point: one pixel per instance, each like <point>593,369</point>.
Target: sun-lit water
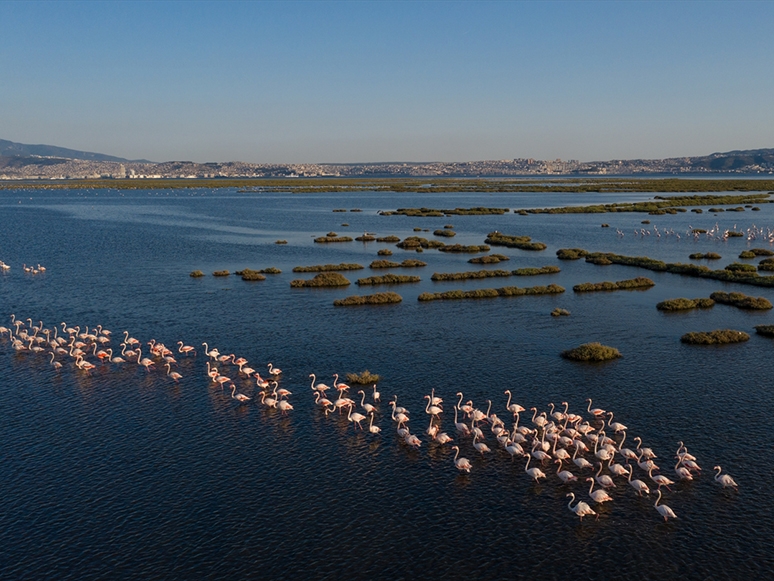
<point>124,474</point>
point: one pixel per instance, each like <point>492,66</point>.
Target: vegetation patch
<point>487,293</point>
<point>605,225</point>
<point>445,233</point>
<point>633,283</point>
<point>412,263</point>
<point>414,242</point>
<point>734,234</point>
<point>221,273</point>
<point>737,209</point>
<point>384,252</point>
<point>281,242</point>
<point>599,260</point>
<point>196,274</point>
<point>249,274</point>
<point>488,259</point>
<point>356,210</point>
<point>741,267</point>
<point>366,238</point>
<point>522,242</point>
<point>765,330</point>
<point>685,304</point>
<point>270,270</point>
<point>390,238</point>
<point>557,312</point>
<point>707,256</point>
<point>746,254</point>
<point>460,248</point>
<point>408,263</point>
<point>324,279</point>
<point>592,352</point>
<point>659,205</point>
<point>762,251</point>
<point>536,271</point>
<point>716,337</point>
<point>363,378</point>
<point>645,222</point>
<point>741,301</point>
<point>449,226</point>
<point>328,239</point>
<point>766,264</point>
<point>697,210</point>
<point>345,224</point>
<point>328,267</point>
<point>387,279</point>
<point>340,210</point>
<point>430,212</point>
<point>570,253</point>
<point>374,299</point>
<point>471,274</point>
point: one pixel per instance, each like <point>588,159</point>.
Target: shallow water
<point>124,474</point>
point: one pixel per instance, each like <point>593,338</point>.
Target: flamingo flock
<point>586,449</point>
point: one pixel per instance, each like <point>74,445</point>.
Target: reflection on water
<point>124,473</point>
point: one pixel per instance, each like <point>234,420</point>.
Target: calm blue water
<point>124,474</point>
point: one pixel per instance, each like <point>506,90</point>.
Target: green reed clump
<point>281,242</point>
<point>417,229</point>
<point>414,242</point>
<point>734,234</point>
<point>766,264</point>
<point>600,260</point>
<point>221,273</point>
<point>445,233</point>
<point>449,226</point>
<point>765,330</point>
<point>645,222</point>
<point>472,274</point>
<point>374,299</point>
<point>737,209</point>
<point>762,251</point>
<point>746,254</point>
<point>697,210</point>
<point>328,267</point>
<point>384,264</point>
<point>741,301</point>
<point>522,242</point>
<point>716,210</point>
<point>557,312</point>
<point>356,210</point>
<point>487,293</point>
<point>461,248</point>
<point>756,209</point>
<point>591,352</point>
<point>248,271</point>
<point>363,378</point>
<point>412,263</point>
<point>387,279</point>
<point>390,238</point>
<point>536,271</point>
<point>707,256</point>
<point>196,274</point>
<point>633,283</point>
<point>521,212</point>
<point>331,234</point>
<point>384,252</point>
<point>327,239</point>
<point>488,259</point>
<point>366,238</point>
<point>682,304</point>
<point>324,279</point>
<point>741,267</point>
<point>249,274</point>
<point>570,253</point>
<point>480,211</point>
<point>716,337</point>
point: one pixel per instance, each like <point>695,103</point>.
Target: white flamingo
<point>663,509</point>
<point>581,509</point>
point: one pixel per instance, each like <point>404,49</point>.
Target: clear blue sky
<point>379,81</point>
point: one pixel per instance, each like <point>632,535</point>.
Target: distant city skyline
<point>349,82</point>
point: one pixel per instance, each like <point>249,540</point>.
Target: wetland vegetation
<point>741,300</point>
<point>705,256</point>
<point>765,330</point>
<point>329,239</point>
<point>632,283</point>
<point>592,352</point>
<point>488,259</point>
<point>387,279</point>
<point>408,263</point>
<point>374,299</point>
<point>324,279</point>
<point>716,337</point>
<point>557,312</point>
<point>363,378</point>
<point>488,293</point>
<point>328,267</point>
<point>682,304</point>
<point>521,242</point>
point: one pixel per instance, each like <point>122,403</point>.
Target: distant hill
<point>12,149</point>
<point>733,160</point>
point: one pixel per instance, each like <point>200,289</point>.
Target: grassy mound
<point>716,337</point>
<point>327,239</point>
<point>430,212</point>
<point>471,274</point>
<point>570,253</point>
<point>249,274</point>
<point>445,233</point>
<point>557,312</point>
<point>363,378</point>
<point>196,274</point>
<point>741,267</point>
<point>328,267</point>
<point>281,242</point>
<point>741,301</point>
<point>390,238</point>
<point>221,273</point>
<point>366,238</point>
<point>387,279</point>
<point>384,264</point>
<point>685,304</point>
<point>765,330</point>
<point>633,283</point>
<point>340,210</point>
<point>374,299</point>
<point>324,279</point>
<point>599,260</point>
<point>384,252</point>
<point>412,263</point>
<point>707,256</point>
<point>592,352</point>
<point>462,248</point>
<point>488,259</point>
<point>762,251</point>
<point>522,242</point>
<point>536,271</point>
<point>414,242</point>
<point>746,254</point>
<point>487,293</point>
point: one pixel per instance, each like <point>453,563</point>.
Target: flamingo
<point>682,473</point>
<point>56,365</point>
<point>535,473</point>
<point>356,417</point>
<point>565,475</point>
<point>185,349</point>
<point>580,462</point>
<point>321,387</point>
<point>725,480</point>
<point>262,383</point>
<point>397,416</point>
<point>371,427</point>
<point>337,385</point>
<point>284,406</point>
<point>663,509</point>
<point>377,395</point>
<point>638,485</point>
<point>603,479</point>
<point>480,446</point>
<point>435,401</point>
<point>461,427</point>
<point>617,427</point>
<point>598,496</point>
<point>581,509</point>
<point>462,464</point>
<point>366,406</point>
<point>597,412</point>
<point>268,401</point>
<point>513,408</point>
<point>173,374</point>
<point>660,480</point>
<point>433,410</point>
<point>240,397</point>
<point>214,353</point>
<point>442,438</point>
<point>647,453</point>
<point>514,449</point>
